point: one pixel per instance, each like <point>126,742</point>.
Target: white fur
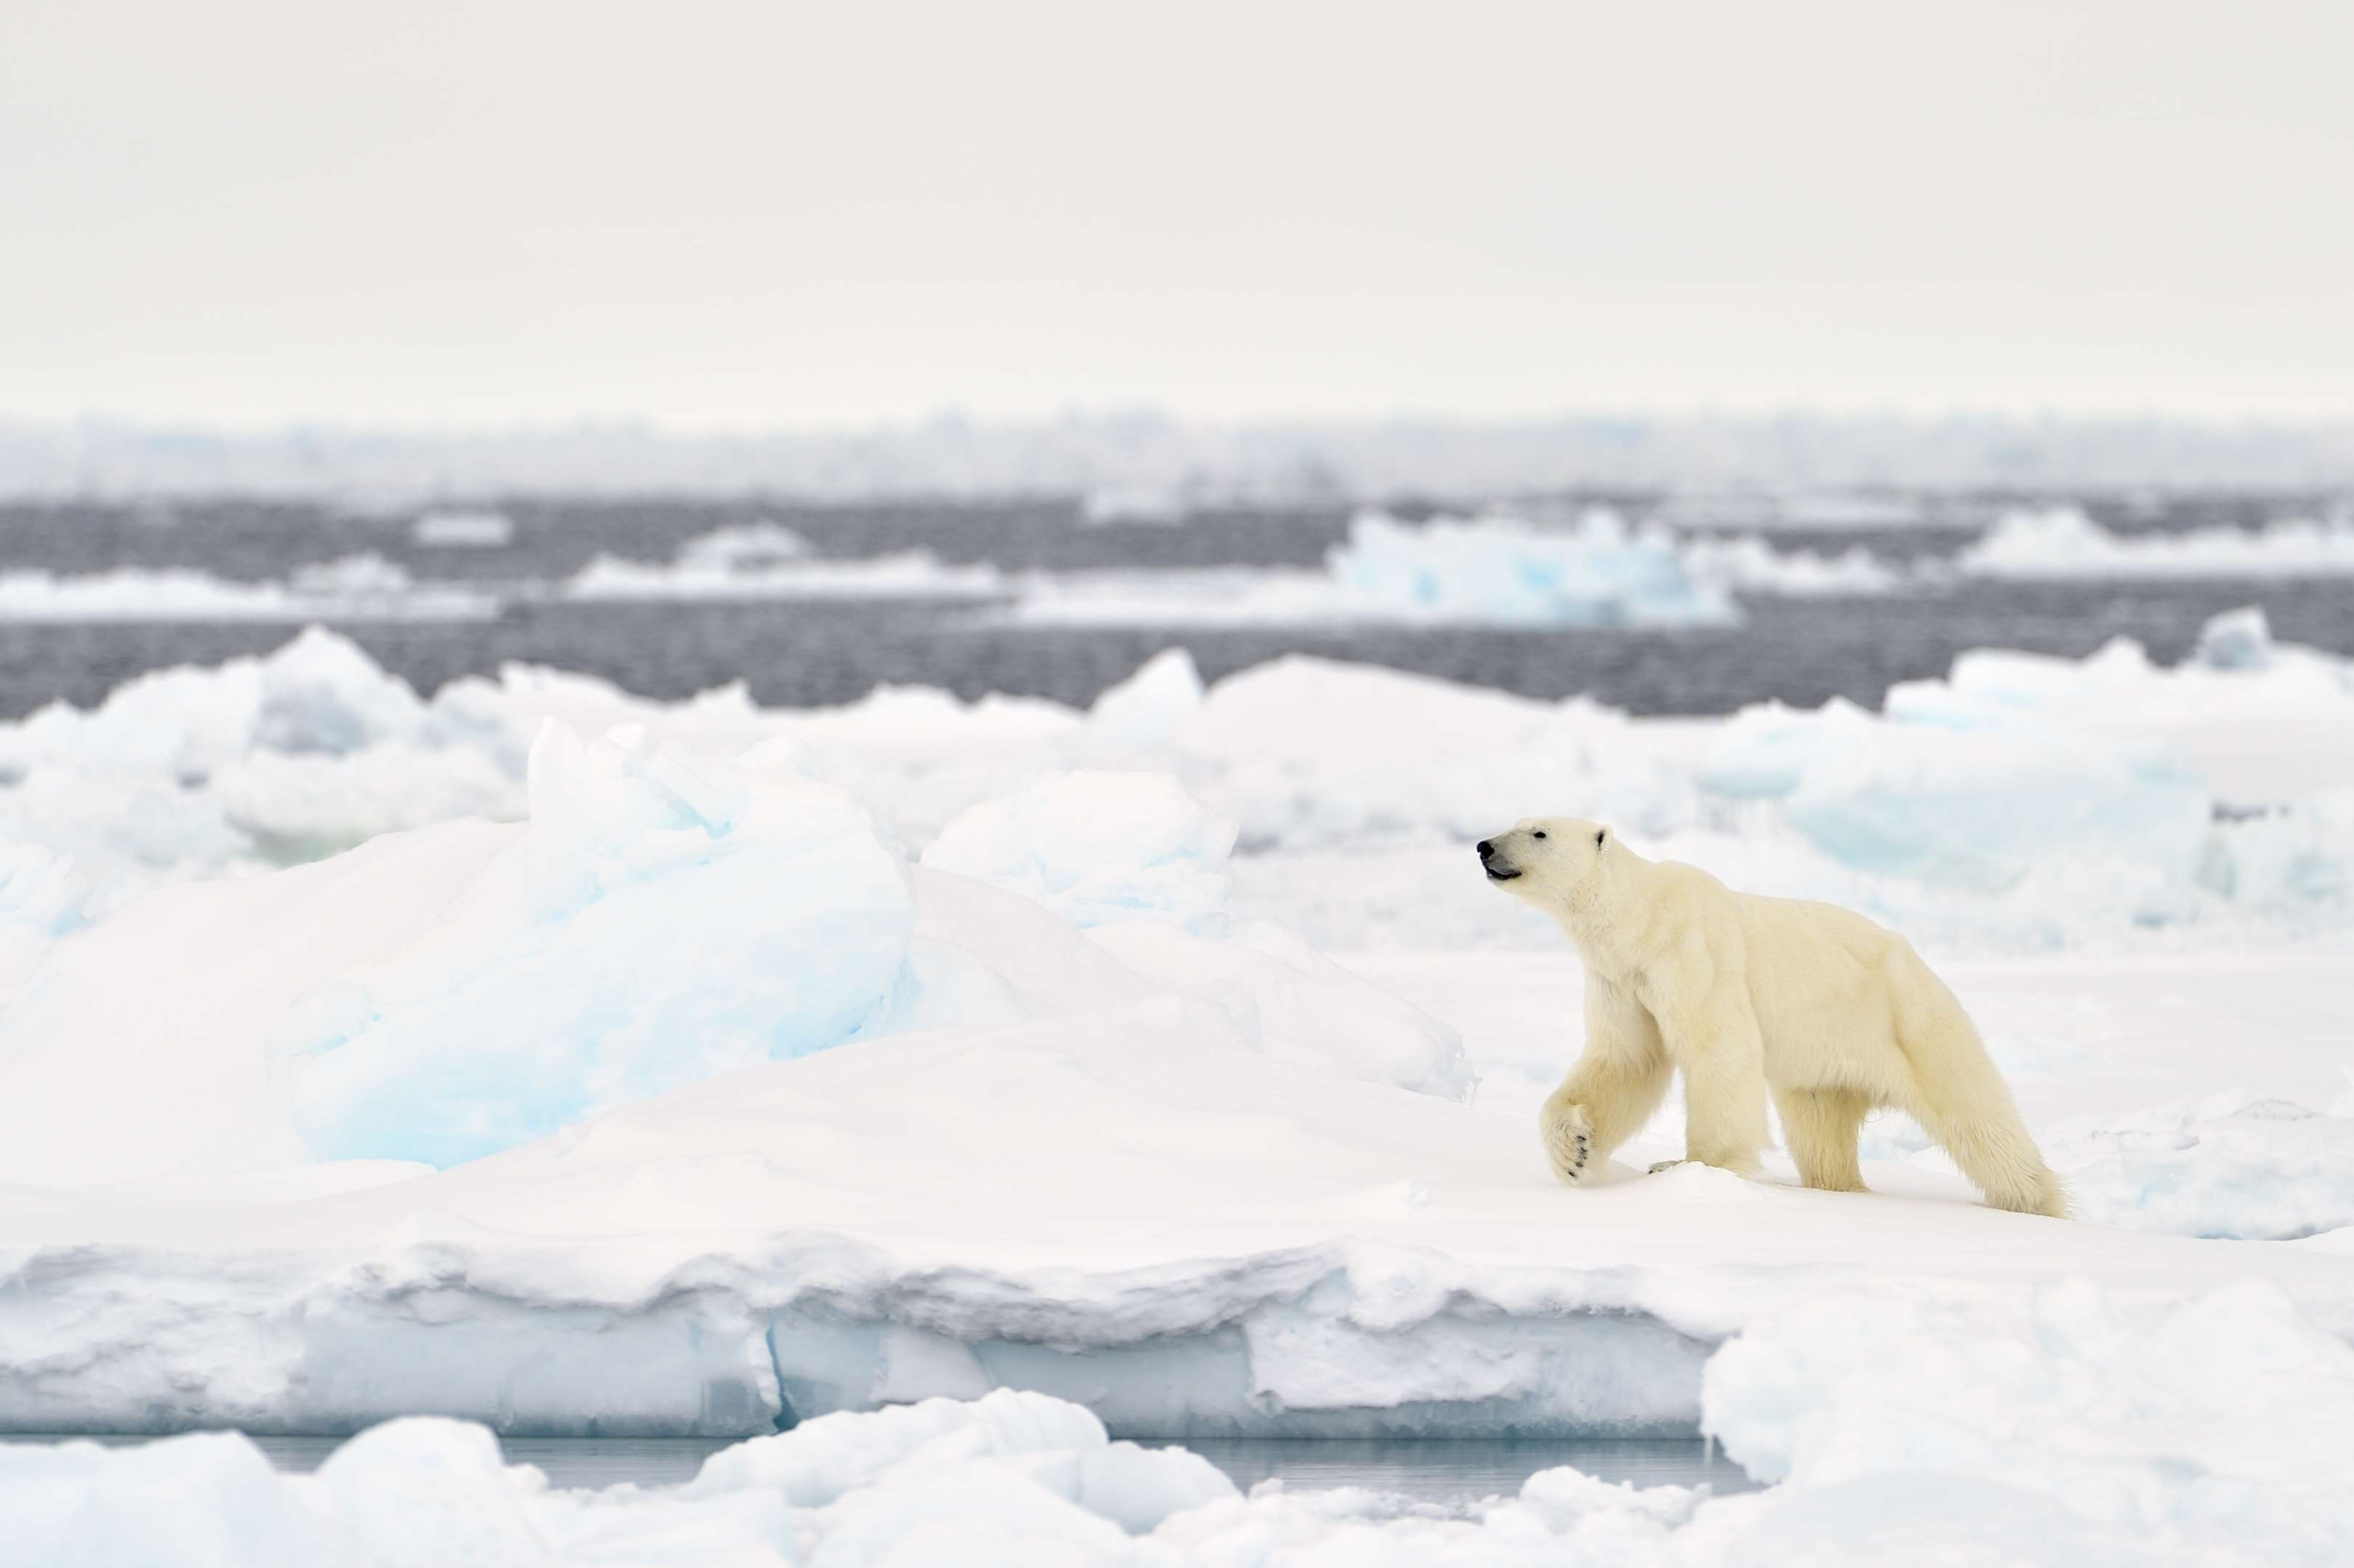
<point>1831,1014</point>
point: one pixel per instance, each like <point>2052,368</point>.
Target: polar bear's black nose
<point>1486,849</point>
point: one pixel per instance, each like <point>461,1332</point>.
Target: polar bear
<point>1831,1014</point>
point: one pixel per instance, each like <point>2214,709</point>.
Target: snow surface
<point>1200,1198</point>
<point>2063,541</point>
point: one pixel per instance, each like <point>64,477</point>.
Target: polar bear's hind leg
<point>1962,1102</point>
<point>1820,1127</point>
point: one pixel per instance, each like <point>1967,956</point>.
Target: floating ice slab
<point>358,588</point>
<point>769,561</point>
<point>2063,541</point>
<point>1500,572</point>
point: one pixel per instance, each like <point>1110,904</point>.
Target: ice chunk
<point>1095,847</point>
<point>768,560</point>
<point>423,1492</point>
<point>2236,640</point>
<point>819,1460</point>
<point>209,1499</point>
<point>462,530</point>
<point>1138,714</point>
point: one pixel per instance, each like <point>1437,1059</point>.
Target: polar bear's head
<point>1555,863</point>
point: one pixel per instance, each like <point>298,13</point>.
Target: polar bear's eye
<point>1599,837</point>
<point>1538,834</point>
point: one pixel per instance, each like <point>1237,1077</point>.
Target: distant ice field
<point>1699,608</point>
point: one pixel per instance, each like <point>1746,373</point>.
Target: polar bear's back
<point>1827,983</point>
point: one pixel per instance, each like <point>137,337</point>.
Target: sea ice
<point>1491,570</point>
<point>355,589</point>
<point>769,561</point>
<point>2022,802</point>
<point>2058,1426</point>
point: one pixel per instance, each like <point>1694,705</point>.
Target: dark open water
<point>1800,651</point>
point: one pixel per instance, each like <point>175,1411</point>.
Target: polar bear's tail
<point>1962,1102</point>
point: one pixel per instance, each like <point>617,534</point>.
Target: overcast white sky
<point>711,212</point>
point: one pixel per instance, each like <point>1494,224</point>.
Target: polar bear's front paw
<point>1568,1141</point>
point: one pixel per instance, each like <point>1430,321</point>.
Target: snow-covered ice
<point>1192,1190</point>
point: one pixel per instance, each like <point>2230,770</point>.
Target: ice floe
<point>354,588</point>
<point>769,561</point>
<point>2059,1427</point>
<point>464,530</point>
<point>2063,541</point>
<point>1488,571</point>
